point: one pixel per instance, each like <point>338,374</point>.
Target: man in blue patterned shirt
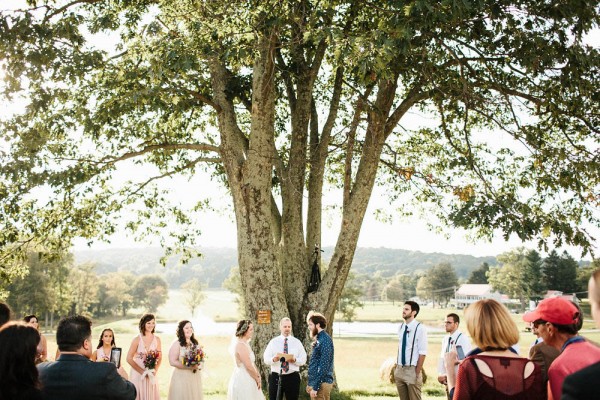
<point>320,367</point>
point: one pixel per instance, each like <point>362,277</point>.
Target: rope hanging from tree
<point>315,276</point>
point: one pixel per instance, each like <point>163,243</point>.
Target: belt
<point>289,373</point>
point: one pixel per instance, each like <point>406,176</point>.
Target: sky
<point>218,230</point>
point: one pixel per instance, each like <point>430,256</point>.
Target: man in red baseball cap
<point>558,320</point>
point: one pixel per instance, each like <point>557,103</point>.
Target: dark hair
<point>101,343</point>
<point>242,327</point>
<point>454,317</point>
<point>18,350</point>
<point>145,319</point>
<point>28,318</point>
<point>181,335</point>
<point>318,320</point>
<point>413,306</point>
<point>72,332</point>
<point>4,313</point>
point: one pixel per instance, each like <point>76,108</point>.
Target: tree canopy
<point>282,101</point>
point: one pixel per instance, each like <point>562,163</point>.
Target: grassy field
<point>357,360</point>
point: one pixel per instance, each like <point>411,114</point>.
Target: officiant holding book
<point>290,349</point>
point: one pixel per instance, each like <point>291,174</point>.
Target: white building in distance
<point>469,293</point>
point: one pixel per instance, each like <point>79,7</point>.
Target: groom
<point>320,368</point>
<point>73,376</point>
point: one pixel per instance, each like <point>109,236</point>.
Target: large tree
<point>439,283</point>
<point>281,101</point>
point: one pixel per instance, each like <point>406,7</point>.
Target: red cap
<point>556,310</point>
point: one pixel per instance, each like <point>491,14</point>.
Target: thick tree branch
<point>414,96</point>
<point>67,6</point>
<point>155,147</point>
<point>287,79</point>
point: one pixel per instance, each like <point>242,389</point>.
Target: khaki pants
<point>324,391</point>
<point>408,383</point>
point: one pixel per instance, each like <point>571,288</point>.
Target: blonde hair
<point>490,325</point>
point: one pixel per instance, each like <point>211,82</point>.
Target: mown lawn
<point>357,360</point>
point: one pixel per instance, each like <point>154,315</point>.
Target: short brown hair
<point>318,319</point>
<point>490,325</point>
<point>143,321</point>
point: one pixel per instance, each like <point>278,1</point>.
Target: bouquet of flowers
<point>150,358</point>
<point>193,356</point>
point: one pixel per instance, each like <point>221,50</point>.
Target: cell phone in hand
<point>460,352</point>
<point>115,356</point>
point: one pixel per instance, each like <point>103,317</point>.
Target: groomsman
<point>285,345</point>
<point>412,349</point>
<point>453,338</point>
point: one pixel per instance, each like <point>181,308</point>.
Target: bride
<point>245,381</point>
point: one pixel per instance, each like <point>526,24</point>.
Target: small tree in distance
<point>479,275</point>
<point>193,294</point>
<point>150,292</point>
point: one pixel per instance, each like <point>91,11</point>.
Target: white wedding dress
<point>241,385</point>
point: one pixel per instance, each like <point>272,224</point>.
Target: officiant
<point>287,347</point>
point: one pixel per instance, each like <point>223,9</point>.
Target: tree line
<point>520,273</point>
<point>52,285</point>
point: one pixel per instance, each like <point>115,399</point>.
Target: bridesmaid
<point>105,345</point>
<point>146,383</point>
<point>42,348</point>
<point>186,382</point>
<point>103,350</point>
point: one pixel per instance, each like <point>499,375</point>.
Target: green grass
<point>357,360</point>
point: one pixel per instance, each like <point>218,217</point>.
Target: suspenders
<point>412,349</point>
<point>450,340</point>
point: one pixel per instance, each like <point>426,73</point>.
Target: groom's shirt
<point>320,367</point>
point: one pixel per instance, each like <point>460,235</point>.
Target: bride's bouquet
<point>150,358</point>
<point>193,356</point>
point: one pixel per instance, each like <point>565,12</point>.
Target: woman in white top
<point>245,382</point>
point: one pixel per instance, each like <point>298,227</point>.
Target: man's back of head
<point>4,313</point>
<point>72,332</point>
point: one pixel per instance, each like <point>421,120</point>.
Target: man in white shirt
<point>454,338</point>
<point>290,376</point>
<point>412,349</point>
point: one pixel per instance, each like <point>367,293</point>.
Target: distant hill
<point>213,268</point>
<point>391,261</point>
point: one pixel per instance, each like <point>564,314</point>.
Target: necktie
<point>285,365</point>
<point>449,344</point>
<point>403,353</point>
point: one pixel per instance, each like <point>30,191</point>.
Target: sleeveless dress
<point>146,389</point>
<point>241,385</point>
<point>101,355</point>
<point>185,384</point>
